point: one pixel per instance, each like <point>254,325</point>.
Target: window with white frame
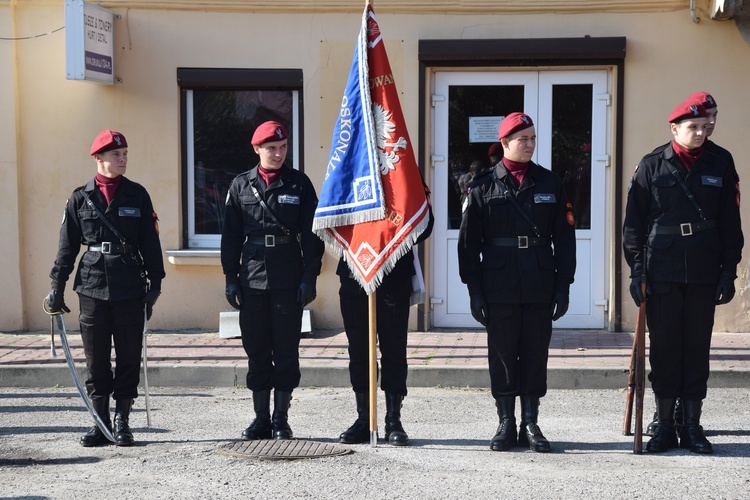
<point>221,108</point>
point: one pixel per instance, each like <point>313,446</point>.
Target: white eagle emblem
<point>387,150</point>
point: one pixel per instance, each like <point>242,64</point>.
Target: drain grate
<point>281,449</point>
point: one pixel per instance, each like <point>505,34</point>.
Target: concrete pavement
<point>590,359</point>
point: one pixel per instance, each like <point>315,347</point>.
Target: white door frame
<point>449,297</point>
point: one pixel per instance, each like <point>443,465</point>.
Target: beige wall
<point>45,138</point>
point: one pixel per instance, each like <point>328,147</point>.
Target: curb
<point>211,375</point>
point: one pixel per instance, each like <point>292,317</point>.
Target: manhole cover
<point>281,449</point>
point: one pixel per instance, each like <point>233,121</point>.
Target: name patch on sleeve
<point>545,198</point>
<point>289,199</point>
<point>129,212</point>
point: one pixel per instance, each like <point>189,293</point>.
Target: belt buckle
<point>270,240</point>
<point>106,247</point>
<point>523,242</point>
<point>686,229</point>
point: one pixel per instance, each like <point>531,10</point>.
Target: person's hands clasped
<point>560,303</point>
<point>56,302</point>
<point>306,294</point>
<point>636,289</point>
<point>724,289</point>
<point>479,308</point>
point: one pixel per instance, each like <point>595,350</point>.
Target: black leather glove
<point>150,299</point>
<point>56,302</point>
<point>725,289</point>
<point>479,309</point>
<point>636,289</point>
<point>234,295</point>
<point>560,303</point>
<point>305,294</point>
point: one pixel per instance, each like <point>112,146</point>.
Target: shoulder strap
<point>268,211</point>
<point>684,187</point>
<point>106,222</point>
<point>512,197</point>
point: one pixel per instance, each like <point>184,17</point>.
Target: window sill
<point>194,257</point>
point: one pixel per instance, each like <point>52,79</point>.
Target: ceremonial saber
<point>145,366</point>
<point>71,366</point>
<point>52,350</point>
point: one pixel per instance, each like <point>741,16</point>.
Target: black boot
<point>260,428</point>
<point>121,430</point>
<point>665,437</point>
<point>530,434</point>
<point>692,436</point>
<point>359,432</point>
<point>279,422</point>
<point>394,431</point>
<point>651,427</point>
<point>95,437</point>
<point>505,437</point>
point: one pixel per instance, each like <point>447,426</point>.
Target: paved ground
<point>199,404</point>
<point>593,359</point>
<point>449,456</point>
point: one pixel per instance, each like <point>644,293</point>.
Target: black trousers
<point>680,321</point>
<point>103,322</point>
<point>271,325</point>
<point>392,304</point>
<point>518,337</point>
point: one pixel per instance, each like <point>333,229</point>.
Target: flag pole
<point>372,309</point>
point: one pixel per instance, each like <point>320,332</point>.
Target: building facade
<point>193,78</point>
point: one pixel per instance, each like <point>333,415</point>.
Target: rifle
<point>636,380</point>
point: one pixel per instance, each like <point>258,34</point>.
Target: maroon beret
<point>267,132</point>
<point>496,149</point>
<point>686,110</point>
<point>703,98</point>
<point>513,123</point>
<point>108,140</point>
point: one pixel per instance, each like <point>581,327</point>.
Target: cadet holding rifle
<point>682,227</point>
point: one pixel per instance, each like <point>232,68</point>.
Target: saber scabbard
<point>145,367</point>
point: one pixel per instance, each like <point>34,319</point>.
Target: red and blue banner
<point>373,203</point>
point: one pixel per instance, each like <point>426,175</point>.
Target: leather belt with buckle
<point>686,228</point>
<point>518,242</point>
<point>271,240</point>
<point>110,248</point>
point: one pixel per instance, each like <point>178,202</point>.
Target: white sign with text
<point>89,42</point>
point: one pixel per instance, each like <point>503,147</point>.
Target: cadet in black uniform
<point>707,101</point>
<point>518,283</point>
<point>117,275</point>
<point>682,236</point>
<point>393,302</point>
<point>271,259</point>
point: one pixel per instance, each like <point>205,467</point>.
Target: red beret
<point>108,140</point>
<point>267,132</point>
<point>495,150</point>
<point>686,110</point>
<point>703,98</point>
<point>513,123</point>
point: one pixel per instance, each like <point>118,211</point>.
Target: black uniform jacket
<point>508,274</point>
<point>116,276</point>
<point>657,201</point>
<point>292,200</point>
